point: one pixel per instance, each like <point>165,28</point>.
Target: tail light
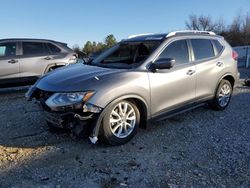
<point>76,55</point>
<point>73,59</point>
<point>235,55</point>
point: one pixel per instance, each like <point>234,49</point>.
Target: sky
<point>77,21</point>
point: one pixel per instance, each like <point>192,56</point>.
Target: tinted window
<point>7,49</point>
<point>53,48</point>
<point>34,48</point>
<point>218,46</point>
<point>177,50</point>
<point>202,48</point>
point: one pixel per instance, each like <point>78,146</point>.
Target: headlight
<point>68,99</point>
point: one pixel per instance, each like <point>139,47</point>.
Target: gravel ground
<point>200,148</point>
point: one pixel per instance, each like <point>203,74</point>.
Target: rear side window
<point>7,49</point>
<point>53,49</point>
<point>218,46</point>
<point>35,48</point>
<point>202,48</point>
<point>177,50</point>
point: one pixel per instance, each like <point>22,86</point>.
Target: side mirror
<point>162,63</point>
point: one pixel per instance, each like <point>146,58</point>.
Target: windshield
<point>126,54</point>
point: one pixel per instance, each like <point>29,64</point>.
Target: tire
<point>120,122</point>
<point>223,96</point>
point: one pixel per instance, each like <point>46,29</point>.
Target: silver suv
<point>145,77</point>
<point>24,60</point>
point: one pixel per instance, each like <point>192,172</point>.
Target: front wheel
<point>223,96</point>
<point>120,122</point>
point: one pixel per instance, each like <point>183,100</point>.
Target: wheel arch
<point>56,65</point>
<point>214,102</point>
<point>141,103</point>
<point>229,77</point>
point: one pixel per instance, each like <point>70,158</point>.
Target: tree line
<point>91,48</point>
<point>237,33</point>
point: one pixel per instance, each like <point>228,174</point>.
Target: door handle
<point>48,58</point>
<point>190,72</point>
<point>12,61</point>
<point>219,64</point>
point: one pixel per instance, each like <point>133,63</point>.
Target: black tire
<point>108,136</point>
<point>215,104</point>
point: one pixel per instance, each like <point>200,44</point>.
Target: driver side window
<point>177,50</point>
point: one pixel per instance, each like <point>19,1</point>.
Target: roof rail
<point>139,35</point>
<point>190,31</point>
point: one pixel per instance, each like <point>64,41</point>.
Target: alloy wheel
<point>224,95</point>
<point>122,120</point>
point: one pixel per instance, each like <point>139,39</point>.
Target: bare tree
<point>234,33</point>
<point>235,27</point>
<point>220,26</point>
<point>192,23</point>
<point>76,48</point>
<point>237,33</point>
<point>203,23</point>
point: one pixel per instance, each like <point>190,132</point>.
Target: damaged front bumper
<point>67,120</point>
<point>79,119</point>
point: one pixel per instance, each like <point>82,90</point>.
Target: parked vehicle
<point>28,59</point>
<point>145,77</point>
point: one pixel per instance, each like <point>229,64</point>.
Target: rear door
<point>34,59</point>
<point>9,64</point>
<point>208,67</point>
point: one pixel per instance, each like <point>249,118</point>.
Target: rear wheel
<point>223,96</point>
<point>120,122</point>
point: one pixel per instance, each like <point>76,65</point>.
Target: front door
<point>175,87</point>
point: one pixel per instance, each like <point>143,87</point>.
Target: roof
<point>152,36</point>
<point>30,39</point>
<point>149,37</point>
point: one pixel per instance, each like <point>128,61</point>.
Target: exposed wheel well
<point>143,111</point>
<point>230,79</point>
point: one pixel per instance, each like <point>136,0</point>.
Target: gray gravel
<point>200,148</point>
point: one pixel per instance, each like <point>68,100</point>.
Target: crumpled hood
<point>76,77</point>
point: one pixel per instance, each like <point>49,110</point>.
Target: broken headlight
<point>75,99</point>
